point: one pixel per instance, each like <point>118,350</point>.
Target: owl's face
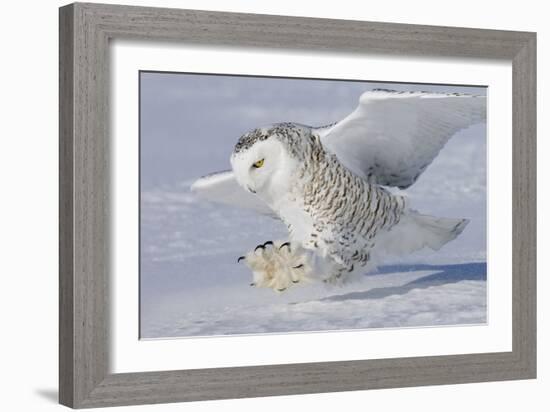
<point>265,169</point>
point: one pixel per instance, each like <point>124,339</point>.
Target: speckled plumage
<point>346,211</point>
<point>327,185</point>
<point>290,134</point>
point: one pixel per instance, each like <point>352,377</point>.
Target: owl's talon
<point>241,258</point>
<point>287,244</point>
<point>277,268</point>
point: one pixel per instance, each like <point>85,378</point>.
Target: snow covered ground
<point>190,282</point>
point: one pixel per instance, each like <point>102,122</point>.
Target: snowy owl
<point>331,185</point>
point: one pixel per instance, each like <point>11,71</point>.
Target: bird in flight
<point>330,185</point>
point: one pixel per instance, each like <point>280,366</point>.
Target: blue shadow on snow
<point>446,274</point>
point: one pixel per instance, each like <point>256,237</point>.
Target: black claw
<point>269,242</point>
<point>252,284</point>
<point>240,258</point>
<point>295,281</point>
<point>285,244</point>
<point>301,265</point>
<point>350,269</point>
<point>259,247</point>
<point>281,290</point>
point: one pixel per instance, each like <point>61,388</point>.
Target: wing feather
<point>222,187</point>
<point>392,137</point>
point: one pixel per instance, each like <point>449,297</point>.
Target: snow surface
<point>190,282</point>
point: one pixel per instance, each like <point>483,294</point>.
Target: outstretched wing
<point>392,137</point>
<point>222,187</point>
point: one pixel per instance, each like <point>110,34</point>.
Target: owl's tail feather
<point>415,231</point>
<point>437,231</point>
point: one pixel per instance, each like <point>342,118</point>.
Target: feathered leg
<point>278,265</point>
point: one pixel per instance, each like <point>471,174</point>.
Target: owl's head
<point>265,160</point>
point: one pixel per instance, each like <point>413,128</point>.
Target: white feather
<point>391,137</point>
<point>416,231</point>
<point>222,187</point>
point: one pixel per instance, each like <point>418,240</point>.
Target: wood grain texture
<point>66,228</point>
<point>524,205</point>
<point>85,31</point>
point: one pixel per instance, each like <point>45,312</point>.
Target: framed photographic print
<point>257,205</point>
<point>194,281</point>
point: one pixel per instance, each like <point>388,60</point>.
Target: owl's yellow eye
<point>258,164</point>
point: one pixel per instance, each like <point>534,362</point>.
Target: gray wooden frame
<point>85,31</point>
